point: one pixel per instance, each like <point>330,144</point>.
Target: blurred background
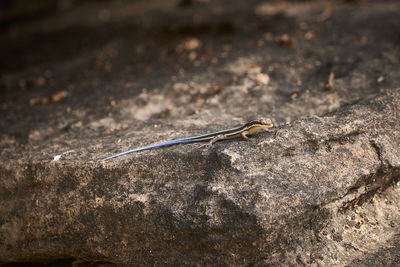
<point>70,67</point>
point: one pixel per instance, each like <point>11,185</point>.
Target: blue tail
<point>167,143</point>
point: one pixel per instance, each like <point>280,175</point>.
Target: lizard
<point>243,131</point>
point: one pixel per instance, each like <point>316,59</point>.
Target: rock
<point>272,201</point>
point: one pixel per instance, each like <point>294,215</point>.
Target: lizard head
<point>256,125</point>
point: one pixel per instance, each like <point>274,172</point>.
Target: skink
<point>240,132</point>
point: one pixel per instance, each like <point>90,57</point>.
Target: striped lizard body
<point>243,131</point>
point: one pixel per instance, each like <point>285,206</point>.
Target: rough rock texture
<point>320,188</point>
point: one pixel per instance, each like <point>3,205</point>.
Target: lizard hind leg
<point>213,141</point>
<point>216,139</point>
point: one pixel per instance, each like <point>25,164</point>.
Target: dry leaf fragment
<point>262,78</point>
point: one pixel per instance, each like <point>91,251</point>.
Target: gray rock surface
<point>320,188</point>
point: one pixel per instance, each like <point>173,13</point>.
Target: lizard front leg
<point>244,136</point>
